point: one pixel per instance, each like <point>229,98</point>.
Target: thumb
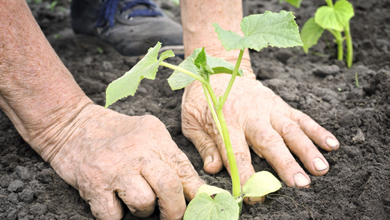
<point>208,150</point>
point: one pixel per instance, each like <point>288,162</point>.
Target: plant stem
<point>234,74</point>
<point>349,46</point>
<point>193,75</point>
<point>236,185</point>
<point>356,80</point>
<point>216,110</point>
<point>329,3</point>
<point>212,109</point>
<point>339,41</point>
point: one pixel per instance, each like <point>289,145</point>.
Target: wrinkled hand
<point>106,155</point>
<point>258,118</point>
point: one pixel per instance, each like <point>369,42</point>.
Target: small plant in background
<point>260,31</point>
<point>334,18</point>
<point>295,3</point>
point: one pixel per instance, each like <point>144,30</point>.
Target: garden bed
<point>357,185</point>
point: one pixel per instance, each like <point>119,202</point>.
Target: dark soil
<point>357,185</point>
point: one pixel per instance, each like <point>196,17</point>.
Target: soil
<point>357,185</point>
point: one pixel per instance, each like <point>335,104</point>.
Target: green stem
<point>330,3</point>
<point>349,46</point>
<point>234,74</point>
<point>212,109</point>
<point>236,185</point>
<point>339,41</point>
<point>174,67</point>
<point>216,110</point>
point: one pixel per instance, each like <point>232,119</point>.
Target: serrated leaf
<point>210,190</point>
<point>179,80</point>
<point>203,207</point>
<point>201,64</point>
<point>261,184</point>
<point>336,17</point>
<point>128,83</point>
<point>262,30</point>
<point>310,34</point>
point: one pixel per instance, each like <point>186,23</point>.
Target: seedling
<point>260,31</point>
<point>334,18</point>
<point>295,3</point>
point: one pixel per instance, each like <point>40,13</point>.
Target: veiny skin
<point>134,157</point>
<point>103,153</point>
<point>98,151</point>
<point>255,116</point>
<point>258,118</point>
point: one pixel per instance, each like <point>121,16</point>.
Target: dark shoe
<point>130,26</point>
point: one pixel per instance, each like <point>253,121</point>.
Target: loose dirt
<point>357,185</point>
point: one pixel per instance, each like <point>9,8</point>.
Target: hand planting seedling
<point>263,30</point>
<point>334,18</point>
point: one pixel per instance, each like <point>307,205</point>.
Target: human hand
<point>106,155</point>
<point>258,118</point>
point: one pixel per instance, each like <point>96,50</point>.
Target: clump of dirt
<point>357,185</point>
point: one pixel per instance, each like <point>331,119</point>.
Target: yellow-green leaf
<point>334,17</point>
<point>261,184</point>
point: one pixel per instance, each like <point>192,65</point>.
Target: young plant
<point>263,30</point>
<point>334,18</point>
<point>295,3</point>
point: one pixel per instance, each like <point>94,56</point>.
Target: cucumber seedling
<point>334,18</point>
<point>295,3</point>
<point>260,31</point>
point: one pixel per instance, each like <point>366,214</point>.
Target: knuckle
<point>242,157</point>
<point>185,169</point>
<point>152,120</point>
<point>269,140</point>
<point>204,146</point>
<point>287,163</point>
<point>289,129</point>
<point>170,185</point>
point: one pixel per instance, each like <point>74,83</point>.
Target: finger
<point>178,161</point>
<point>167,186</point>
<point>136,193</point>
<point>204,144</point>
<point>103,204</point>
<point>300,144</point>
<point>267,143</point>
<point>242,156</point>
<point>241,153</point>
<point>314,131</point>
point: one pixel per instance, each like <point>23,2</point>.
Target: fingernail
<point>319,164</point>
<point>300,180</point>
<point>256,199</point>
<point>208,160</point>
<point>331,142</point>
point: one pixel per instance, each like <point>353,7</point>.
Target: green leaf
<point>295,3</point>
<point>310,34</point>
<point>210,190</point>
<point>203,207</point>
<point>336,17</point>
<point>128,83</point>
<point>261,184</point>
<point>179,80</point>
<point>201,64</point>
<point>166,54</point>
<point>262,30</point>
